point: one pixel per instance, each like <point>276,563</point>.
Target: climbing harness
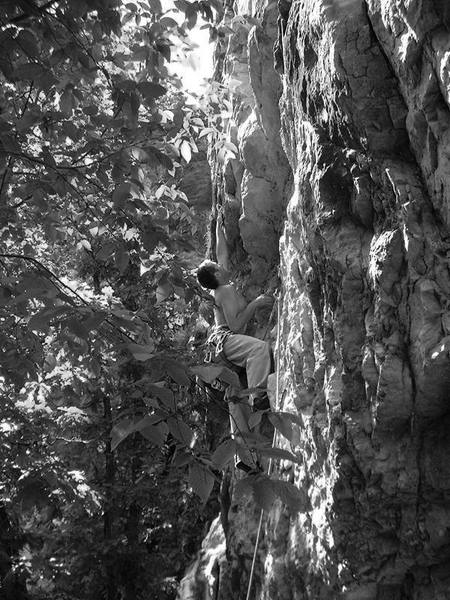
<point>214,345</point>
<point>269,468</point>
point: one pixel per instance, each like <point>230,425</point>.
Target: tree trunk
<point>108,512</point>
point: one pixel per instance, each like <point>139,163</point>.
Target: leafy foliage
<point>103,428</point>
<point>101,432</point>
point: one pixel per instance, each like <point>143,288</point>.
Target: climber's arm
<point>221,243</point>
<point>236,317</point>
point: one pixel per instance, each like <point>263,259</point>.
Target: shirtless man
<point>232,314</point>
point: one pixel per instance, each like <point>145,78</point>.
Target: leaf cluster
<point>96,295</point>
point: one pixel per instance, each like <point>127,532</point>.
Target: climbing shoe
<point>261,402</point>
<point>242,466</point>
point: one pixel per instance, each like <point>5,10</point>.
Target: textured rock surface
<point>364,257</point>
<point>253,187</point>
<point>202,579</point>
<point>365,271</point>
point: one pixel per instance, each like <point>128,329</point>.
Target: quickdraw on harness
<point>214,352</point>
<point>215,342</point>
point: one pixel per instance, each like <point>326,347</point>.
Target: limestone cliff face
<point>253,188</point>
<point>365,114</point>
<point>358,217</point>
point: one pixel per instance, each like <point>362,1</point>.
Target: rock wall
<point>253,187</point>
<point>365,113</point>
<point>360,215</point>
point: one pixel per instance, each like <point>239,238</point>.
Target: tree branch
<point>83,47</point>
<point>28,99</point>
<point>10,159</point>
<point>37,12</point>
<point>50,275</point>
<point>5,174</point>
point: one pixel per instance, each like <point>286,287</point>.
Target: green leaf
<point>255,418</point>
<point>207,12</point>
<point>155,433</point>
<point>29,120</point>
<point>296,499</point>
<point>283,423</point>
<point>163,47</point>
<point>121,193</point>
<point>153,419</point>
<point>10,144</point>
<point>90,110</point>
<point>230,377</point>
<point>67,102</point>
<point>206,131</point>
<point>185,151</point>
<point>208,373</point>
<point>230,146</point>
<point>97,31</point>
<point>151,238</point>
<point>106,252</point>
<point>243,487</point>
<point>224,454</point>
<point>29,71</point>
<point>84,244</point>
<point>151,91</point>
<point>163,291</point>
<point>49,363</point>
<point>162,393</point>
<point>94,321</point>
<point>266,490</point>
<point>27,42</point>
<point>201,481</point>
<point>181,460</point>
<point>180,431</point>
<point>34,286</point>
<point>191,16</point>
<point>121,259</point>
<point>263,492</point>
<point>281,454</point>
<point>151,427</point>
<point>42,319</point>
<point>156,155</point>
<point>77,327</point>
<point>288,416</point>
<point>142,352</point>
<point>134,104</point>
<point>70,130</point>
<point>32,492</point>
<point>121,431</point>
<point>177,372</point>
<point>168,22</point>
<point>155,6</point>
<point>5,296</point>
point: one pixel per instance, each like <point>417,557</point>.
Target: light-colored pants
<point>254,355</point>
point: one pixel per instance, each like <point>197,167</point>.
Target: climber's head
<point>206,275</point>
<point>210,275</point>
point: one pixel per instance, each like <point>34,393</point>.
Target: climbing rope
<point>272,312</point>
<point>269,468</point>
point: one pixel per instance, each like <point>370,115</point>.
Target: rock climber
<point>231,315</point>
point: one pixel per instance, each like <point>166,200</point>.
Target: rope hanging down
<point>269,468</point>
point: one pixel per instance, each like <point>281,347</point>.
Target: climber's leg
<point>239,415</point>
<point>254,355</point>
